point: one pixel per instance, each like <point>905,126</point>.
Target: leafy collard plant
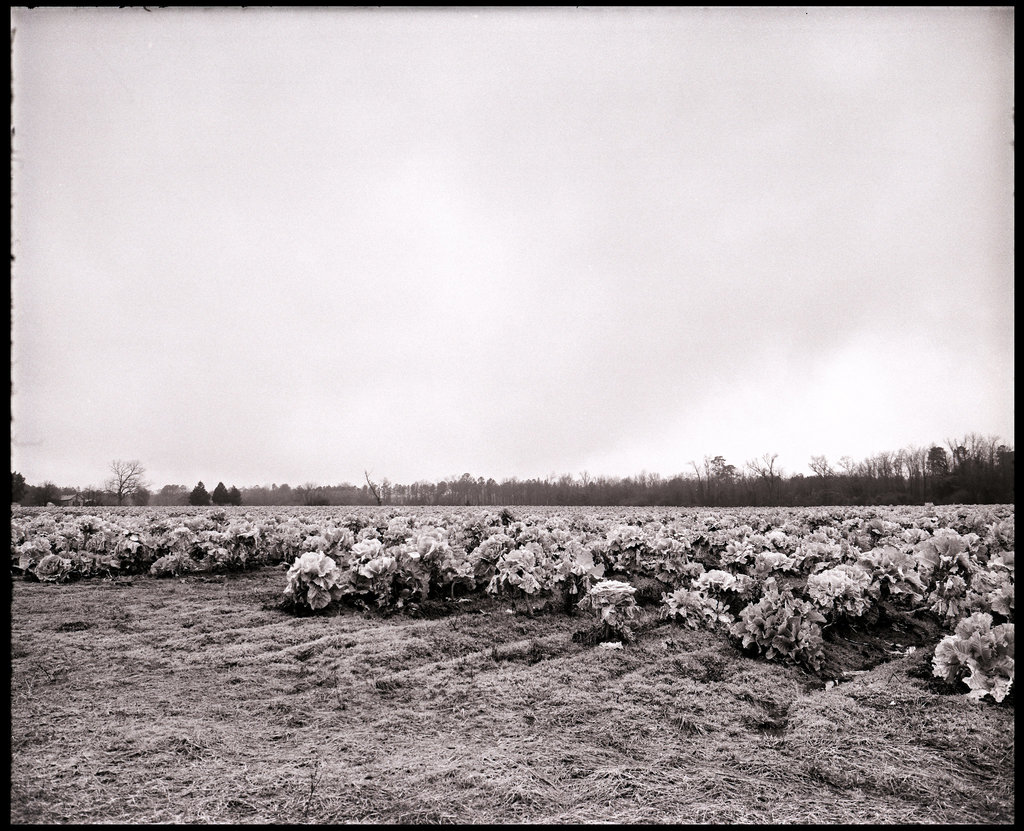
<point>370,578</point>
<point>992,591</point>
<point>694,608</point>
<point>172,565</point>
<point>980,655</point>
<point>841,592</point>
<point>524,572</point>
<point>724,592</point>
<point>782,627</point>
<point>894,573</point>
<point>31,552</point>
<point>575,572</point>
<point>55,569</point>
<point>624,548</point>
<point>314,580</point>
<point>615,605</point>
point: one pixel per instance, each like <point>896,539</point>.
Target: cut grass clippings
<point>201,701</point>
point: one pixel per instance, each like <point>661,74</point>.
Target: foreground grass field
<point>198,699</point>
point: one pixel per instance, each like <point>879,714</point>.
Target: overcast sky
<point>264,246</point>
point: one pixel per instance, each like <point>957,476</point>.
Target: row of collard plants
<point>774,579</point>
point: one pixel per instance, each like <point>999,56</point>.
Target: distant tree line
<point>126,492</point>
<point>181,495</point>
<point>974,469</point>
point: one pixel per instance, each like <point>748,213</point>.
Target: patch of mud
<point>598,634</point>
<point>74,626</point>
<point>882,635</point>
<point>433,609</point>
<point>529,653</point>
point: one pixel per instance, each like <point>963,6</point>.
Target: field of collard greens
<point>785,648</point>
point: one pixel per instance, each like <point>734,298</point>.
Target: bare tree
<point>820,465</point>
<point>848,465</point>
<point>373,487</point>
<point>127,479</point>
<point>765,468</point>
<point>915,459</point>
<point>700,482</point>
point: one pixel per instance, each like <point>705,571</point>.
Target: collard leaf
<point>982,684</point>
<point>318,597</point>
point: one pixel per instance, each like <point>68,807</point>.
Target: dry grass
<point>195,701</point>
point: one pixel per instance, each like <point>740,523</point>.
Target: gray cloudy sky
<point>290,245</point>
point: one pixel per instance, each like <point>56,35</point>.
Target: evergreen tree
<point>234,496</point>
<point>220,495</point>
<point>18,486</point>
<point>199,496</point>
